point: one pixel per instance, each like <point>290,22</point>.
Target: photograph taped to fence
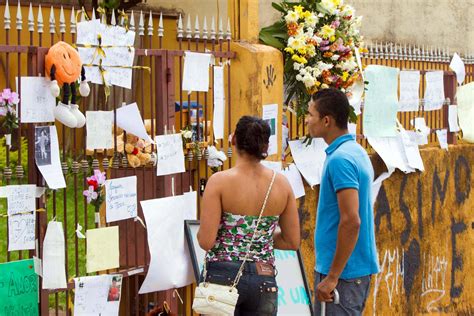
<point>294,296</point>
<point>43,146</point>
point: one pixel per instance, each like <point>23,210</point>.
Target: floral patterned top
<point>235,233</point>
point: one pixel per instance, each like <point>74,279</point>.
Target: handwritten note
<point>37,102</point>
<point>97,295</point>
<point>99,129</point>
<point>434,93</point>
<point>196,71</point>
<point>121,198</point>
<point>21,198</point>
<point>54,267</point>
<point>87,32</point>
<point>409,91</point>
<point>102,249</point>
<point>465,98</point>
<point>219,102</point>
<point>380,111</point>
<point>18,288</point>
<point>309,159</point>
<point>170,154</point>
<point>442,136</point>
<point>21,231</point>
<point>52,173</point>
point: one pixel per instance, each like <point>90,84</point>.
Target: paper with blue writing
<point>120,198</point>
<point>18,288</point>
<point>170,154</point>
<point>381,101</point>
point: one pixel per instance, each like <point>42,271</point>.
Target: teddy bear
<point>64,67</point>
<point>138,151</point>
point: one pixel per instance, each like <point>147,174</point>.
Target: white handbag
<point>215,299</point>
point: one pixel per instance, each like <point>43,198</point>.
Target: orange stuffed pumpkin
<point>64,67</point>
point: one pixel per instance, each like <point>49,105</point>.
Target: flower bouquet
<point>8,103</point>
<point>319,40</point>
<point>95,194</point>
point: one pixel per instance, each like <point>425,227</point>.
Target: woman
<point>231,206</point>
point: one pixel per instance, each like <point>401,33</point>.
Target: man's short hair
<point>333,102</point>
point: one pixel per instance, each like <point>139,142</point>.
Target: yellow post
<point>257,71</point>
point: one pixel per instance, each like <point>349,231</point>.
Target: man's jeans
<point>352,296</point>
<point>257,293</point>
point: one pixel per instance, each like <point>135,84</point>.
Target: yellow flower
<point>345,75</point>
<point>336,2</point>
<point>317,84</point>
<point>298,59</point>
<point>291,17</point>
<point>327,31</point>
<point>306,14</point>
<point>289,50</point>
<point>298,9</point>
<point>302,50</point>
<point>332,38</point>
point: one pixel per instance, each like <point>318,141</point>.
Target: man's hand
<point>325,290</point>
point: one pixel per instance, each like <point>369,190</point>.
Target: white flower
<point>323,66</point>
<point>216,157</point>
<point>309,81</point>
<point>329,5</point>
<point>348,11</point>
<point>297,66</point>
<point>324,86</point>
<point>299,77</point>
<point>187,134</point>
<point>335,57</point>
<point>311,20</point>
<point>291,17</point>
<point>296,42</point>
<point>348,65</point>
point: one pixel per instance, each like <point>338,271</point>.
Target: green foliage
<point>14,154</point>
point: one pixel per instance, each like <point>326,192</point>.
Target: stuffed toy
<point>64,68</point>
<point>138,151</point>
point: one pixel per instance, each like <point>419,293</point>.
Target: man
<point>346,254</point>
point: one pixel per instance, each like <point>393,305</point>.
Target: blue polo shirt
<point>347,165</point>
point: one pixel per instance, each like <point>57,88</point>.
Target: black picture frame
<point>190,225</point>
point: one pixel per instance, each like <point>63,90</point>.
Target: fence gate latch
<point>202,186</point>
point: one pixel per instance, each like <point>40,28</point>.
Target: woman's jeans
<point>258,294</point>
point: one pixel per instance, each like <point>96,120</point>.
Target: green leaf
<point>278,7</point>
<point>269,40</point>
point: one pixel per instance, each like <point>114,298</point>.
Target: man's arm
<point>347,235</point>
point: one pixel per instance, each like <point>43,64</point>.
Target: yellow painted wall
<point>425,237</point>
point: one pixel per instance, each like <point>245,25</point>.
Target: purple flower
<point>3,111</point>
<point>335,24</point>
<point>90,194</point>
<point>99,176</point>
<point>6,94</point>
<point>324,48</point>
<point>13,98</point>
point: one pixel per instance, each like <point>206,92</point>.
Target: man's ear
<point>327,120</point>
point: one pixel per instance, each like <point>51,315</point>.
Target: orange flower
<point>292,28</point>
<point>328,54</point>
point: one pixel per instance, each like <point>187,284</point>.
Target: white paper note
<point>21,198</point>
<point>270,115</point>
<point>409,91</point>
<point>380,109</point>
<point>309,159</point>
<point>377,184</point>
<point>97,295</point>
<point>53,173</point>
<point>392,152</point>
<point>54,258</point>
<point>196,71</point>
<point>170,154</point>
<point>442,135</point>
<point>457,65</point>
<point>129,119</point>
<point>190,211</point>
<point>219,103</point>
<point>465,98</point>
<point>453,118</point>
<point>37,102</point>
<point>421,129</point>
<point>121,198</point>
<point>434,93</point>
<point>296,182</point>
<point>87,32</point>
<point>21,231</point>
<point>273,165</point>
<point>170,265</point>
<point>412,152</point>
<point>99,129</point>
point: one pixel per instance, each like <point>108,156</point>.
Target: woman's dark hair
<point>332,102</point>
<point>252,135</point>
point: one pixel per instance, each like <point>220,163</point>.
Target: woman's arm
<point>288,237</point>
<point>211,210</point>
